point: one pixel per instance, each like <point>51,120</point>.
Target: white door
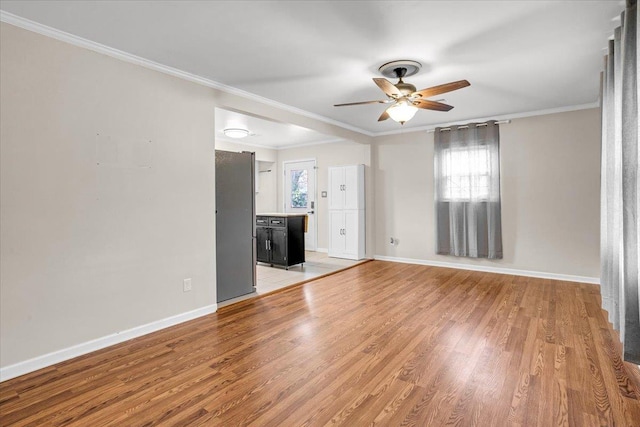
<point>300,195</point>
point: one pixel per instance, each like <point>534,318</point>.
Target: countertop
<point>281,214</point>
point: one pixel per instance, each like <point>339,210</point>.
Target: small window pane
<point>299,188</point>
<point>466,173</point>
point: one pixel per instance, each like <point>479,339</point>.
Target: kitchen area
<point>285,189</point>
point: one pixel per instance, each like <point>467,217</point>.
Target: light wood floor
<point>381,343</point>
<point>317,264</point>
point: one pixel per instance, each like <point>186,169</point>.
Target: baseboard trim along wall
<point>527,273</point>
<point>58,356</point>
<point>323,250</point>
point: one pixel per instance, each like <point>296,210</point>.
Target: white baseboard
<point>490,269</point>
<point>323,250</point>
<point>58,356</point>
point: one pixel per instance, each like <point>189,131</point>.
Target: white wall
<point>550,195</point>
<point>270,196</point>
<point>326,155</point>
<point>92,249</point>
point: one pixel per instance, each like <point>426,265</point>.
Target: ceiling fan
<point>404,96</point>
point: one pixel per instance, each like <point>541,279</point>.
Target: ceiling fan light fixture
<point>235,133</point>
<point>404,96</point>
<point>402,112</point>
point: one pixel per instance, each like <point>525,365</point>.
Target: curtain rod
<point>499,122</point>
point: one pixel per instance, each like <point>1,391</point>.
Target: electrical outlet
<point>186,285</point>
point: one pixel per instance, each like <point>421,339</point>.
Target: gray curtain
<point>467,190</point>
<point>619,184</point>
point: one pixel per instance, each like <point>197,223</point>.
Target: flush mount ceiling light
<point>236,133</point>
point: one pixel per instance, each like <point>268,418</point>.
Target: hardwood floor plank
<point>379,344</point>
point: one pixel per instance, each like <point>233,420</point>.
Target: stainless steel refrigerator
<point>235,224</point>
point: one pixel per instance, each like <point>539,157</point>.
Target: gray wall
<point>550,195</point>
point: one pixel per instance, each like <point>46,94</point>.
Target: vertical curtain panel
<point>619,231</point>
<point>467,190</point>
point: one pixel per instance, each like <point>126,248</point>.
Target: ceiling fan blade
<point>437,90</point>
<point>362,103</point>
<point>383,116</point>
<point>388,87</point>
<point>425,104</point>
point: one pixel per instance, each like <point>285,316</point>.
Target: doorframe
<point>314,218</point>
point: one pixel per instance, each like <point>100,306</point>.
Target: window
<point>466,165</point>
<point>299,189</point>
<point>465,173</point>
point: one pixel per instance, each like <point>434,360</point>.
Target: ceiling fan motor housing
<point>406,88</point>
<point>400,69</point>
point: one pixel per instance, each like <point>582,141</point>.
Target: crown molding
<point>498,117</point>
<point>45,30</point>
<point>63,36</point>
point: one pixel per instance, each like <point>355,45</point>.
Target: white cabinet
<point>346,212</point>
<point>346,187</point>
<point>347,234</point>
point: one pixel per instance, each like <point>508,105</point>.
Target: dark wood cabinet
<point>263,234</point>
<point>280,239</point>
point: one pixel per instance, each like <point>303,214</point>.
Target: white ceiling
<point>520,56</point>
<point>267,133</point>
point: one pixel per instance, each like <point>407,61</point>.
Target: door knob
<point>310,212</point>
